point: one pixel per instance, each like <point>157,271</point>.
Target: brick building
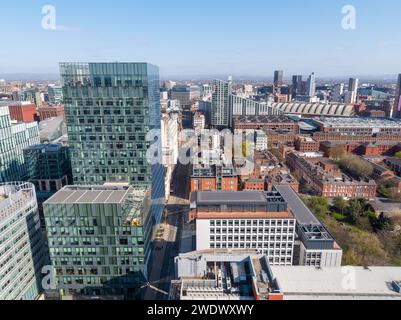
<point>51,111</point>
<point>22,111</point>
<point>275,138</point>
<point>306,144</point>
<point>254,184</point>
<point>274,123</point>
<point>339,137</point>
<point>209,178</point>
<point>328,181</point>
<point>362,149</point>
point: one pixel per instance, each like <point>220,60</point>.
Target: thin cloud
<point>141,42</point>
<point>63,28</point>
<point>385,44</point>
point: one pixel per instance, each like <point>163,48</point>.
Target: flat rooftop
<point>221,197</point>
<point>90,194</point>
<point>263,119</point>
<point>237,197</point>
<point>354,122</point>
<point>297,206</point>
<point>300,283</point>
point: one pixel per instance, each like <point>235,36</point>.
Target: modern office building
<point>55,94</point>
<point>244,220</point>
<point>315,246</point>
<point>276,223</point>
<point>221,109</point>
<point>21,243</point>
<point>48,167</point>
<point>278,78</point>
<point>99,239</point>
<point>296,85</point>
<point>311,85</point>
<point>185,95</point>
<point>14,138</point>
<point>110,109</point>
<point>352,93</point>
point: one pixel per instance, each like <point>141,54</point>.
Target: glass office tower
<point>99,239</point>
<point>110,108</point>
<point>14,138</point>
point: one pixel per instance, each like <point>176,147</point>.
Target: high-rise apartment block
<point>221,109</point>
<point>397,106</point>
<point>337,92</point>
<point>311,86</point>
<point>21,243</point>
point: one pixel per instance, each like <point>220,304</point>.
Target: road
<point>165,250</point>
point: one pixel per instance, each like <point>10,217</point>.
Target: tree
<point>381,223</point>
<point>318,205</point>
<point>337,152</point>
<point>394,194</point>
<point>355,210</point>
<point>340,204</point>
<point>356,166</point>
<point>398,155</point>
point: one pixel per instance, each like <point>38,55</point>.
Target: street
<point>166,249</point>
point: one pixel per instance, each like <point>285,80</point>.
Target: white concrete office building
<point>245,220</point>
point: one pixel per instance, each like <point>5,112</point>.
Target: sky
<point>205,37</point>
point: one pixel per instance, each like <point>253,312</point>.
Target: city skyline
<point>181,47</point>
<point>180,151</point>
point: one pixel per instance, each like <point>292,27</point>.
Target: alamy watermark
<point>49,19</point>
<point>349,19</point>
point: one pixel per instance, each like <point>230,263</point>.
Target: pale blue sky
<point>204,37</point>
